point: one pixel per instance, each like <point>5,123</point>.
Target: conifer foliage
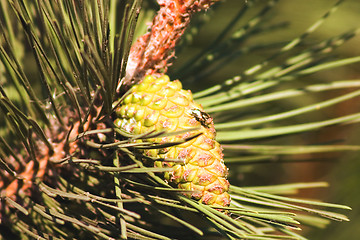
<point>96,141</point>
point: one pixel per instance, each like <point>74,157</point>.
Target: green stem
<point>118,195</point>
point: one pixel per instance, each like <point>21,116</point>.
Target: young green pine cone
<point>160,104</point>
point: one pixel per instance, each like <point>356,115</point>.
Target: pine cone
<point>158,104</point>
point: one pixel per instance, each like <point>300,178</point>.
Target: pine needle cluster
<point>68,172</point>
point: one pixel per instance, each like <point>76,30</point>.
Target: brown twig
<point>152,51</point>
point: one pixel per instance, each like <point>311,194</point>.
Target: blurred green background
<point>342,171</point>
